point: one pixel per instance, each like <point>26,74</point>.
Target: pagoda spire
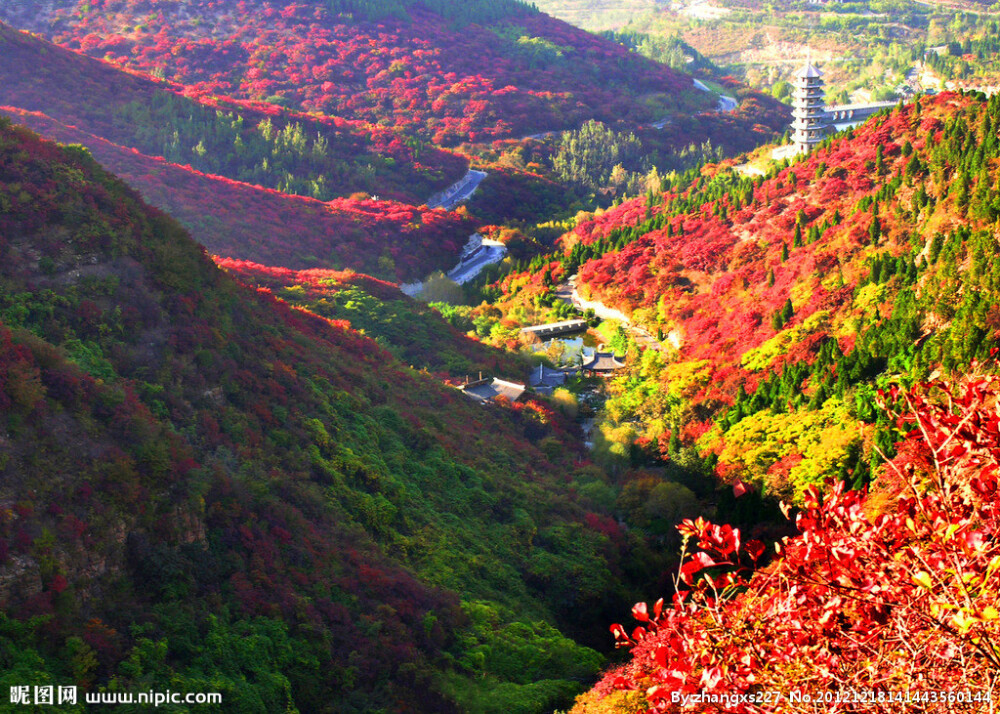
<point>808,107</point>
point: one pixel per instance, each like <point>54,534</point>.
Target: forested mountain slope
<point>447,71</point>
<point>263,144</point>
<point>836,326</point>
<point>204,489</point>
<point>392,240</point>
<point>783,302</point>
<point>229,172</point>
<point>411,330</point>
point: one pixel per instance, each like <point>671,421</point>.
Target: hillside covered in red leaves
<point>451,77</point>
<point>254,182</point>
<point>891,608</point>
<point>393,240</point>
<point>824,336</point>
<point>783,301</point>
<point>330,156</point>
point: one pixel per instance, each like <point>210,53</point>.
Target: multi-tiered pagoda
<point>809,120</point>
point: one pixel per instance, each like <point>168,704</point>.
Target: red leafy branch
<point>906,600</point>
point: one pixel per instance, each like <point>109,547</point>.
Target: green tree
<point>440,288</point>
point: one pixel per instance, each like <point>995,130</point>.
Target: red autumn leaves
<point>900,600</point>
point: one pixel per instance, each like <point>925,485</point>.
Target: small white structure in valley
<point>809,110</point>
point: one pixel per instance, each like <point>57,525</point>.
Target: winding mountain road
<point>488,252</point>
<point>567,292</point>
<point>726,103</point>
<point>457,192</point>
<point>478,253</point>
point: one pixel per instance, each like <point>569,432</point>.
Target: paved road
<point>478,253</point>
<point>748,170</point>
<point>726,103</point>
<point>472,266</point>
<point>457,192</point>
<point>411,289</point>
<point>567,292</point>
<point>545,134</point>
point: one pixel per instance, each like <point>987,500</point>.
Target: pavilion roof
<point>603,362</point>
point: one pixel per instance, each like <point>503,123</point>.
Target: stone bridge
<point>842,113</point>
<point>556,328</point>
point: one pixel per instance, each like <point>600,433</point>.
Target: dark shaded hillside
<point>393,240</point>
<point>319,157</point>
<point>470,73</point>
<point>203,489</point>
